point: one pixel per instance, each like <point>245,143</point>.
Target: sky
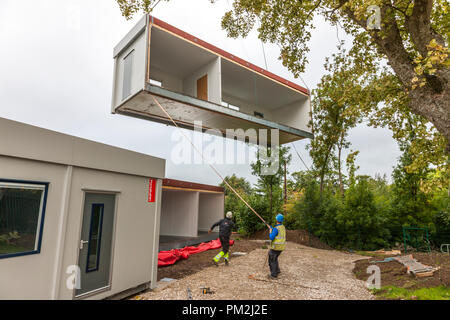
<point>57,68</point>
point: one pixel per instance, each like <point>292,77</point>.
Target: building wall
<point>211,207</point>
<point>138,73</point>
<point>168,81</point>
<point>43,275</point>
<point>247,107</point>
<point>135,228</point>
<point>179,213</point>
<point>31,276</point>
<point>295,115</point>
<point>211,69</point>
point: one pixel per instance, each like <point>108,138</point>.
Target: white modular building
<point>196,81</point>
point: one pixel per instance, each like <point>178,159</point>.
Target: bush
<point>247,222</point>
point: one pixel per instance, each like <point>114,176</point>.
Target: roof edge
<point>187,36</point>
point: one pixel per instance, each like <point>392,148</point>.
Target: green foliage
<point>9,237</point>
<point>362,222</point>
<point>442,232</point>
<point>410,205</point>
<point>241,186</point>
<point>270,185</point>
<point>434,293</point>
<point>247,222</point>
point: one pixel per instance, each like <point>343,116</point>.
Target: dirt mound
<point>199,261</point>
<point>297,236</point>
<point>394,273</point>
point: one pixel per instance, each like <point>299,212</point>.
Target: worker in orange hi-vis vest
<point>278,237</point>
<point>225,228</point>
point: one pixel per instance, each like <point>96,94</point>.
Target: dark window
<point>259,114</point>
<point>95,237</point>
<point>22,207</point>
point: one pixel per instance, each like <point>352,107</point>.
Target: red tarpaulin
<point>167,258</point>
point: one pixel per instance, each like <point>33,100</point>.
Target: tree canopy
<point>410,35</point>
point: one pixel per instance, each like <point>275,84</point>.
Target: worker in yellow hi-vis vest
<point>278,237</point>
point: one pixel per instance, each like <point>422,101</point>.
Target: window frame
<point>41,219</point>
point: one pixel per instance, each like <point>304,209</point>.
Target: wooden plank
<point>202,88</point>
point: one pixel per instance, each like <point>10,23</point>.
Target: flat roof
<point>22,140</point>
<point>180,185</point>
<point>164,25</point>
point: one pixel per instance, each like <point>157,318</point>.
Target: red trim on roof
<point>226,54</point>
<point>190,185</point>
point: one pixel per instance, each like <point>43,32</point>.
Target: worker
<point>225,227</point>
<point>278,244</point>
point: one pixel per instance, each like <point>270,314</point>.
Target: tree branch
<point>419,26</point>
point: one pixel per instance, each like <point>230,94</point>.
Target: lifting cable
<point>210,165</point>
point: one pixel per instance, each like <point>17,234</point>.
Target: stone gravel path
<point>306,273</point>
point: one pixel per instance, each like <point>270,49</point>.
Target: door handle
<point>82,243</point>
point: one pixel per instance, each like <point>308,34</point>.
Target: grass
<point>8,249</point>
<point>391,292</point>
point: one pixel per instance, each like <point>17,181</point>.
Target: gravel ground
<point>306,273</point>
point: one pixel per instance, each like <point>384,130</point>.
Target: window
<point>259,114</point>
<point>22,208</point>
<point>233,107</point>
<point>95,237</point>
<point>127,73</point>
<point>156,82</point>
<point>229,105</point>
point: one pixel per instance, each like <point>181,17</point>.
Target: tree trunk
<point>431,101</point>
<point>270,199</point>
<point>341,186</point>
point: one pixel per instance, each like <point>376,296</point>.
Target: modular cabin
<point>196,81</point>
<point>73,209</point>
<point>188,211</point>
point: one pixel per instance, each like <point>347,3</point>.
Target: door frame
<point>86,191</point>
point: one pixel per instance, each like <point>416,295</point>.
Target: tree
<point>270,185</point>
<point>410,205</point>
<point>241,185</point>
<point>338,103</point>
<point>412,37</point>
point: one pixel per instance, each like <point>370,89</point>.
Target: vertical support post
<point>285,187</point>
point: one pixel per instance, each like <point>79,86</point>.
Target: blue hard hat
<point>280,217</point>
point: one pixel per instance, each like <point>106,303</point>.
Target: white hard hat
<point>229,214</point>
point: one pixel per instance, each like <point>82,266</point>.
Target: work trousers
<point>225,242</point>
<point>273,262</point>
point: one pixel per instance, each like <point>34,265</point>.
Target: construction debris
<point>238,254</point>
<point>207,291</point>
<point>164,283</point>
<point>385,260</point>
<point>388,252</point>
<point>415,267</point>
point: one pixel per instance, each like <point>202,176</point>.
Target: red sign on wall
<point>151,190</point>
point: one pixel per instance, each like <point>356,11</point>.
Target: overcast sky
<point>56,72</point>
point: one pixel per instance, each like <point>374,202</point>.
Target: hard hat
<point>229,215</point>
<point>280,217</point>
